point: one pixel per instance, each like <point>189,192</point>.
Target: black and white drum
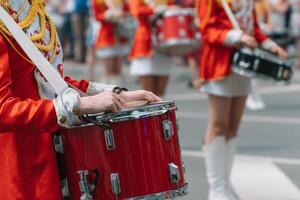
<point>261,63</point>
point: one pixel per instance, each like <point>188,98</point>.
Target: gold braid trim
<point>37,9</point>
<point>53,37</point>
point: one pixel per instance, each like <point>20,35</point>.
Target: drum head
<point>149,110</point>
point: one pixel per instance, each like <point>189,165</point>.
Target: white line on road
<point>262,181</point>
<point>265,90</point>
<point>258,159</point>
<point>246,118</point>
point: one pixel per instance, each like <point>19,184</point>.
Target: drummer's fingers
<point>118,105</point>
<point>120,99</point>
<point>156,98</point>
<point>149,96</point>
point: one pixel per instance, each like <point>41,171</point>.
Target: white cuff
<point>96,88</point>
<point>233,37</point>
<point>268,44</point>
<point>112,14</point>
<point>66,107</point>
<point>161,8</point>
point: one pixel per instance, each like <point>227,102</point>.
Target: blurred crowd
<point>78,28</point>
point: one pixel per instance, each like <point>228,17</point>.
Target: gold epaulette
<point>37,8</point>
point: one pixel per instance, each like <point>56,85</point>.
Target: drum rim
<point>158,108</point>
<point>180,192</point>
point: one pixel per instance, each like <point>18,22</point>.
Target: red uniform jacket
<point>214,26</point>
<point>106,36</point>
<point>28,167</point>
<point>142,44</point>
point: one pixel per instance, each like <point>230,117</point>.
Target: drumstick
<point>134,104</point>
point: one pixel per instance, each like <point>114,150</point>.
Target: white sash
<point>230,15</point>
<point>53,77</point>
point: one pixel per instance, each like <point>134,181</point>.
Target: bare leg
<point>147,83</point>
<point>161,83</point>
<point>236,112</point>
<point>219,116</point>
<point>90,62</point>
<point>215,146</point>
<point>108,66</point>
<point>117,67</point>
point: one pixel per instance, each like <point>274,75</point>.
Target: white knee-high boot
<point>230,150</point>
<point>215,168</point>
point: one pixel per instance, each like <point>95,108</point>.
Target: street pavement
<point>267,166</point>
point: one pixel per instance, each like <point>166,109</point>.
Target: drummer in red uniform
<point>151,67</point>
<point>111,47</point>
<point>30,111</point>
<point>226,91</point>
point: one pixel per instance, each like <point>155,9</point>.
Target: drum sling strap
<point>53,77</point>
<point>230,15</point>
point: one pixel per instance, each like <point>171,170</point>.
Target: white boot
<point>230,150</point>
<point>215,168</point>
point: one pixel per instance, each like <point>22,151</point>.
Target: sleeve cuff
<point>160,8</point>
<point>111,14</point>
<point>66,107</point>
<point>96,88</point>
<point>268,44</point>
<point>233,37</point>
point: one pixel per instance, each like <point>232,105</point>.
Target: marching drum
<point>175,32</point>
<point>260,63</point>
<point>132,155</point>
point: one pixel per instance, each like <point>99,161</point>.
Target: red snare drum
<point>134,155</point>
<point>175,32</point>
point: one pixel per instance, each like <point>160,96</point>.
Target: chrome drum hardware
<point>168,129</point>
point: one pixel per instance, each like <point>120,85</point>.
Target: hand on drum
<point>249,41</point>
<point>105,101</point>
<point>110,101</point>
<point>280,52</point>
<point>139,95</point>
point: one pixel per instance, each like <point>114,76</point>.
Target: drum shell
<point>262,64</point>
<point>175,33</point>
<point>141,157</point>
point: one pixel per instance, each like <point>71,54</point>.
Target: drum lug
<point>109,139</point>
<point>115,183</point>
<point>256,64</point>
<point>168,129</point>
<point>183,167</point>
<point>58,144</point>
<point>85,187</point>
<point>174,173</point>
<point>65,188</point>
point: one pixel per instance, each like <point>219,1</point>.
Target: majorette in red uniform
<point>227,91</point>
<point>151,67</point>
<point>110,46</point>
<point>30,112</point>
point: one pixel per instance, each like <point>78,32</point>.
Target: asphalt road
<point>268,156</point>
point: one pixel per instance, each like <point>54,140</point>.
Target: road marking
<point>196,96</point>
<point>246,118</point>
<point>262,181</point>
<point>257,177</point>
<point>257,159</point>
<point>187,97</point>
<point>281,89</point>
